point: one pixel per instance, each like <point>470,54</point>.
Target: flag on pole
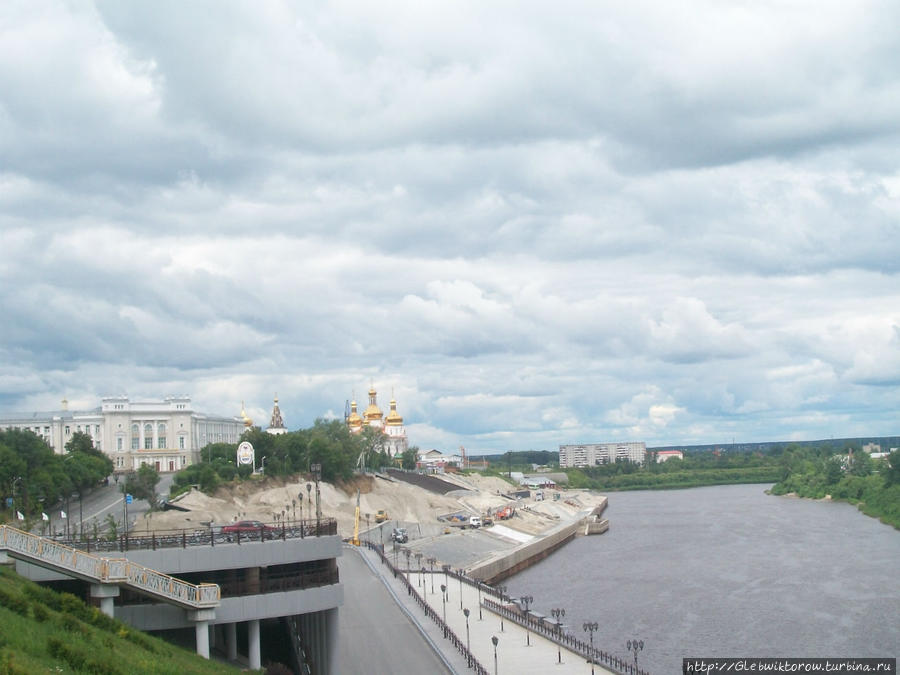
<point>19,515</point>
<point>62,514</point>
<point>44,516</point>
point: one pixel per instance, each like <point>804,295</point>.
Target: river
<point>727,571</point>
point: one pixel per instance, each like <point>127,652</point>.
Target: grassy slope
<point>45,631</point>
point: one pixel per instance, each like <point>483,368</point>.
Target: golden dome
<point>373,412</point>
<point>247,421</point>
<point>393,419</point>
<point>354,421</point>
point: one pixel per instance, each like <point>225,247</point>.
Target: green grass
<point>42,631</point>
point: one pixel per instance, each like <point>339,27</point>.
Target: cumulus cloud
<point>535,226</point>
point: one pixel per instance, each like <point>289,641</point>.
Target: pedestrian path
<point>518,651</point>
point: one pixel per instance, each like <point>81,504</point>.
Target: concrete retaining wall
<point>526,555</point>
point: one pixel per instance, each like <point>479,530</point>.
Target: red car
<point>248,529</point>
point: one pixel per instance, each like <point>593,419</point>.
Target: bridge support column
<point>231,640</point>
<point>201,619</point>
<point>5,559</point>
<point>253,655</point>
<point>106,593</point>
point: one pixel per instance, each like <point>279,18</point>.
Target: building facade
<point>395,441</point>
<point>594,454</point>
<point>168,434</point>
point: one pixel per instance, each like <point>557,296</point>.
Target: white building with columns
<point>167,434</point>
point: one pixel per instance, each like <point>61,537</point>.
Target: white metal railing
<point>48,553</point>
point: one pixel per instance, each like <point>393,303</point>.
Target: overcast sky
<point>535,223</point>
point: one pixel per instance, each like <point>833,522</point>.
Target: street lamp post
<point>431,562</point>
<point>446,583</point>
<point>368,528</point>
<point>502,590</point>
<point>468,653</point>
<point>444,599</point>
<point>459,574</point>
<point>527,600</point>
<point>558,613</point>
<point>495,640</point>
<point>407,553</point>
<point>478,586</point>
<point>300,497</point>
<point>419,555</point>
<point>591,627</point>
<point>309,499</point>
<point>318,470</point>
<point>635,646</point>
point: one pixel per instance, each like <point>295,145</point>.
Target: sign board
<point>245,454</point>
<point>128,499</point>
<point>9,502</point>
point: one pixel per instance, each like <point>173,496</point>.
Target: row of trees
<point>851,476</point>
<point>327,443</point>
<point>35,478</point>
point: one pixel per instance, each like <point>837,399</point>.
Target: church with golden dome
<point>395,441</point>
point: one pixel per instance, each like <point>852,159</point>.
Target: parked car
<point>399,535</point>
<point>248,529</point>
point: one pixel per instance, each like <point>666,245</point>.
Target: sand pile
<point>268,499</point>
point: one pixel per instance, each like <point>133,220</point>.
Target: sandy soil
<point>267,499</point>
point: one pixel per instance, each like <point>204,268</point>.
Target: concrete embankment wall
<point>526,555</point>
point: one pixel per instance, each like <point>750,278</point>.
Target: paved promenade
<point>514,655</point>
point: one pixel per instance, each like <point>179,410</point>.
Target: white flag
<point>44,516</point>
<point>62,514</point>
<point>19,515</point>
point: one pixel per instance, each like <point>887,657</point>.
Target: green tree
<point>409,458</point>
<point>860,463</point>
<point>142,484</point>
<point>834,470</point>
<point>892,475</point>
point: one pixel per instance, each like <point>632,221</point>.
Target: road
<point>375,635</point>
<point>100,502</point>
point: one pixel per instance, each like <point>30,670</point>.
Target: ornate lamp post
<point>419,555</point>
<point>495,640</point>
<point>368,528</point>
<point>407,553</point>
<point>591,627</point>
<point>635,646</point>
<point>502,590</point>
<point>527,600</point>
<point>294,510</point>
<point>446,583</point>
<point>444,600</point>
<point>431,562</point>
<point>558,613</point>
<point>460,575</point>
<point>300,497</point>
<point>468,653</point>
<point>317,468</point>
<point>478,586</point>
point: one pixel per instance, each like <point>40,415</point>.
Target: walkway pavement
<point>514,655</point>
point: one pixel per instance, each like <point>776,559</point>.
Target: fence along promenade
<point>101,570</point>
<point>507,608</point>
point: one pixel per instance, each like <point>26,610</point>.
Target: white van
<point>475,521</point>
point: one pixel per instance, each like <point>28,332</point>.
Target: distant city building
<point>871,447</point>
<point>395,441</point>
<point>168,434</point>
<point>593,454</point>
<point>663,455</point>
<point>276,423</point>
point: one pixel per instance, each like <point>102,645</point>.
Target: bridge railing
<point>48,553</point>
<point>208,536</point>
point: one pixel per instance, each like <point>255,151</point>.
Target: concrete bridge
<point>219,591</point>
